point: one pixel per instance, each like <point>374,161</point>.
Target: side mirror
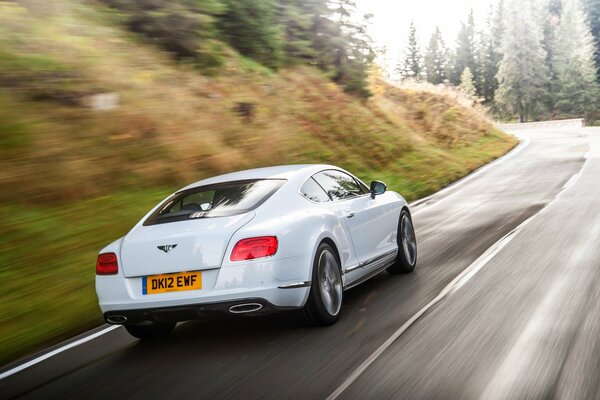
<point>377,188</point>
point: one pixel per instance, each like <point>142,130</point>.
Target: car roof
<point>289,172</point>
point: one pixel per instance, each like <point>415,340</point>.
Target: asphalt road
<point>523,323</point>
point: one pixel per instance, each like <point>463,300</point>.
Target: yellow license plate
<point>171,282</point>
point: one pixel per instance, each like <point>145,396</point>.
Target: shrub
<point>180,27</point>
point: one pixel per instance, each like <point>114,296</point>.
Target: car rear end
<point>187,258</point>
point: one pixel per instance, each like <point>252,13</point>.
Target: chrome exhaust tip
<point>116,319</point>
<point>245,308</point>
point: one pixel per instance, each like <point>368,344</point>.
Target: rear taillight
<point>107,264</point>
<point>251,248</point>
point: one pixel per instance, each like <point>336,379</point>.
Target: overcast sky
<point>391,19</point>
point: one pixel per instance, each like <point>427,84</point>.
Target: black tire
<point>323,309</point>
<point>152,331</point>
<point>407,246</point>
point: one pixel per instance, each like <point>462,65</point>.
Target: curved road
<point>522,320</point>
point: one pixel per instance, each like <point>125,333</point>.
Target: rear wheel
<point>326,292</point>
<point>407,246</point>
<point>152,330</point>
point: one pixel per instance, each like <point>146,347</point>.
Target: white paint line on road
<point>54,352</point>
<point>452,287</point>
<point>422,203</point>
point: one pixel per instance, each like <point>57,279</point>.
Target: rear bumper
<point>274,284</point>
<point>191,312</point>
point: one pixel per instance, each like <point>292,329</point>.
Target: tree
<point>593,10</point>
<point>345,46</point>
<point>497,25</point>
<point>450,61</point>
<point>465,52</point>
<point>574,68</point>
<point>467,86</point>
<point>436,59</point>
<point>522,73</point>
<point>248,25</point>
<point>298,19</point>
<point>360,57</point>
<point>550,20</point>
<point>491,52</point>
<point>411,65</point>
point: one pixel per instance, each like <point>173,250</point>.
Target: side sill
<point>367,276</point>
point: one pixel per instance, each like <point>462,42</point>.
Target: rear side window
<point>312,191</point>
<point>338,184</point>
<point>219,200</point>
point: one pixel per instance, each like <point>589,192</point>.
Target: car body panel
<point>373,227</point>
<point>372,224</point>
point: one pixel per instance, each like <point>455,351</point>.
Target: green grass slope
<point>74,177</point>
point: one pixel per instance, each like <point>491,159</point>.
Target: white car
<point>277,238</point>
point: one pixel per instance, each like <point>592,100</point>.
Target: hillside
<point>96,125</point>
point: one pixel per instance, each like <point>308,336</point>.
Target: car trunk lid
<point>196,244</point>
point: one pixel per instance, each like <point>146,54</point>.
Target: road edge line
<point>54,352</point>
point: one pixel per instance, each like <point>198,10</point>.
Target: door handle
<point>349,214</point>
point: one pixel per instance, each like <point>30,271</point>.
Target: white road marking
<point>54,352</point>
<point>452,287</point>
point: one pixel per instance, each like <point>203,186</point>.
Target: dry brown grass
<point>440,113</point>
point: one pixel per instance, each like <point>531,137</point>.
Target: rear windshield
<point>219,200</point>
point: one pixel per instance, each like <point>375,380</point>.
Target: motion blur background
<point>108,106</point>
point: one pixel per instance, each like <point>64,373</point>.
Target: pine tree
<point>467,85</point>
<point>297,19</point>
<point>465,52</point>
<point>498,25</point>
<point>550,17</point>
<point>361,56</point>
<point>343,46</point>
<point>411,66</point>
<point>574,68</point>
<point>436,59</point>
<point>450,62</point>
<point>249,27</point>
<point>491,52</point>
<point>522,73</point>
<point>593,11</point>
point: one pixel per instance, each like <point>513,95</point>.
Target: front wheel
<point>152,330</point>
<point>326,292</point>
<point>407,246</point>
